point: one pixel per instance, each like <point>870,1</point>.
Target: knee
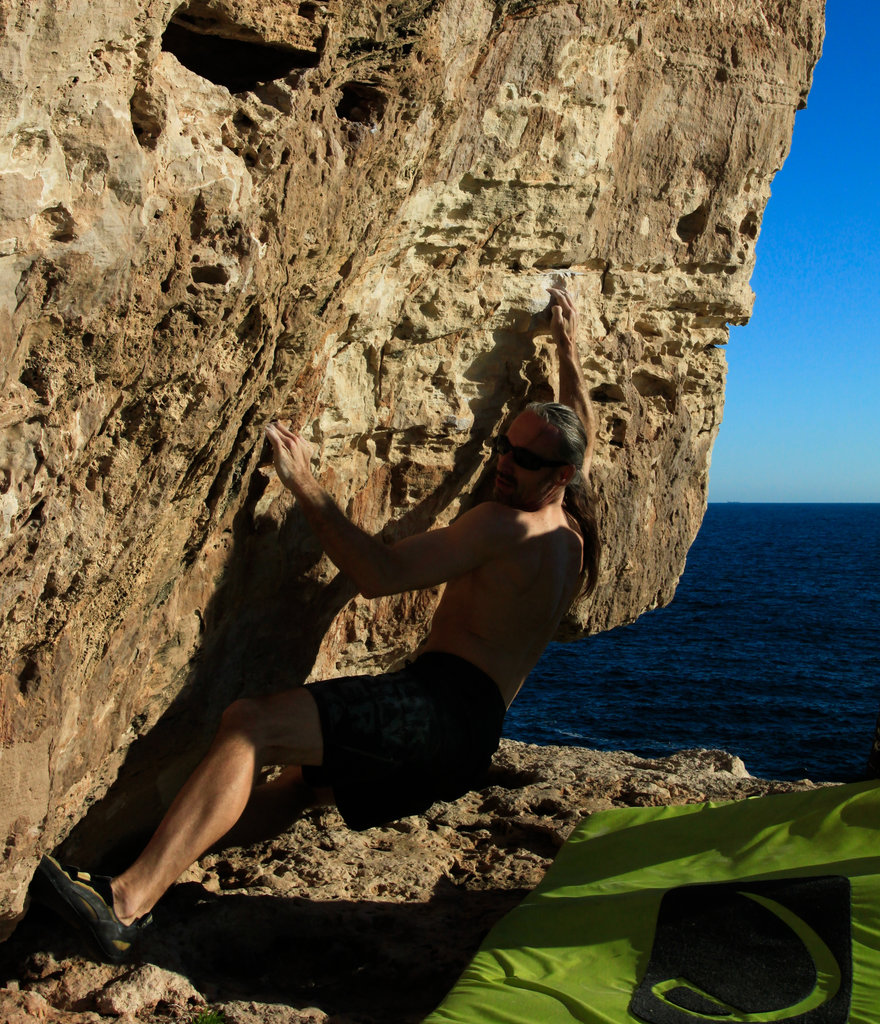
<point>243,717</point>
<point>283,726</point>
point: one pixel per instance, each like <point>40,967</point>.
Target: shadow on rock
<point>348,957</point>
<point>362,960</point>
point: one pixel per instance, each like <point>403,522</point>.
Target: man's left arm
<point>573,390</point>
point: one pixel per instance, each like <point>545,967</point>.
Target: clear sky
<point>802,411</point>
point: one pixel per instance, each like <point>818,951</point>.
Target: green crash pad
<point>763,910</point>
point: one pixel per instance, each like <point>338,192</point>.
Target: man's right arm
<point>573,390</point>
<point>375,568</point>
<point>350,548</point>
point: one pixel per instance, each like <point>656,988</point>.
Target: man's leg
<point>273,807</point>
<point>280,729</point>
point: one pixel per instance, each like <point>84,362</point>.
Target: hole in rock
<point>607,392</point>
<point>647,329</point>
<point>749,225</point>
<point>35,376</point>
<point>210,275</point>
<point>361,103</point>
<point>62,222</point>
<point>28,677</point>
<point>227,54</point>
<point>617,432</point>
<point>147,116</point>
<point>36,513</point>
<point>693,223</point>
<point>650,385</point>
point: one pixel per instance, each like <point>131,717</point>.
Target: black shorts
<point>396,743</point>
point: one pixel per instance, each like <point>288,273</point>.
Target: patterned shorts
<point>396,743</point>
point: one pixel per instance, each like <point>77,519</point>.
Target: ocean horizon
<point>769,650</point>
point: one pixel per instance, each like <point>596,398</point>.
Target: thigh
<point>288,728</point>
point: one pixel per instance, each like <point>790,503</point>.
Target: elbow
<point>373,585</point>
<point>369,591</point>
<point>381,586</point>
<point>382,576</point>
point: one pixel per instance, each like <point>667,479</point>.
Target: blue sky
<point>802,411</point>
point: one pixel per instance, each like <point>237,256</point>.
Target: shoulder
<point>492,514</point>
<point>503,526</point>
<point>494,524</point>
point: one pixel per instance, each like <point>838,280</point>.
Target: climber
<point>388,746</point>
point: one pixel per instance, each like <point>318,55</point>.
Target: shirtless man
<point>387,746</point>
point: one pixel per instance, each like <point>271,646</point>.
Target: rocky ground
<point>328,926</point>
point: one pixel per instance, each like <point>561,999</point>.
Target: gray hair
<point>572,446</point>
<point>579,501</point>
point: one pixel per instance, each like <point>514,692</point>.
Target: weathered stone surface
<point>217,212</point>
<point>329,926</point>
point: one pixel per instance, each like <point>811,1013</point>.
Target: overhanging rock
<point>343,214</point>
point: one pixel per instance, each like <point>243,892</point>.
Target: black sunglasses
<point>522,456</point>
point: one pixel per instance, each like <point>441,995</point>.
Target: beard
<point>504,490</point>
<point>507,490</point>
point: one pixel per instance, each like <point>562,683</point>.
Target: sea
<point>770,650</point>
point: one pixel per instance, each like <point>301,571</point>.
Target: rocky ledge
<point>328,926</point>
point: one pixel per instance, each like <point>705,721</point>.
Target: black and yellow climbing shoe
<point>86,901</point>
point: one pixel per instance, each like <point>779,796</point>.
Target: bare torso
<point>501,615</point>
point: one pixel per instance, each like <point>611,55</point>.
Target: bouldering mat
<point>763,910</point>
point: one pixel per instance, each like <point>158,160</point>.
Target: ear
<point>564,476</point>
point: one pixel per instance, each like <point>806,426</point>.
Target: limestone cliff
<point>342,213</point>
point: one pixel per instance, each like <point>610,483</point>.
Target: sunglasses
<point>522,456</point>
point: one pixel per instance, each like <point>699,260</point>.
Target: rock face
<point>328,926</point>
<point>218,212</point>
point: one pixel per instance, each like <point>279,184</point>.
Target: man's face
<point>528,489</point>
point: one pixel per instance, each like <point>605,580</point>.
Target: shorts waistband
<point>453,671</point>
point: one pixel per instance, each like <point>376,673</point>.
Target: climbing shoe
<point>86,901</point>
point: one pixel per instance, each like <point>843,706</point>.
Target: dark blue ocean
<point>770,650</point>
